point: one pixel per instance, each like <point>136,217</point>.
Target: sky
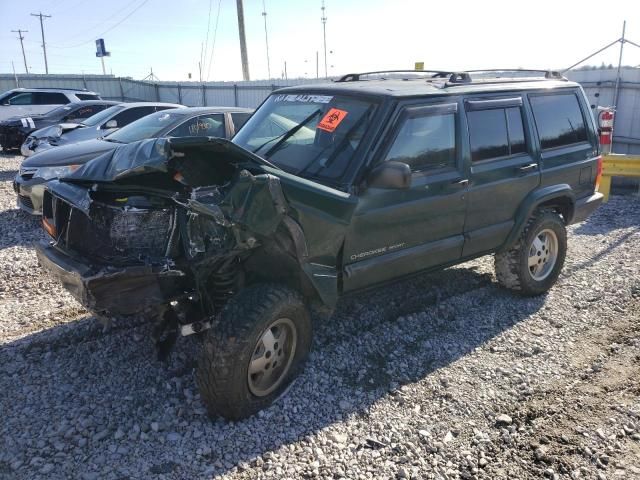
<point>168,36</point>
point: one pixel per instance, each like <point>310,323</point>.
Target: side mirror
<point>390,175</point>
<point>111,124</point>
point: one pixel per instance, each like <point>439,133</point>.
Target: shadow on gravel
<point>86,400</point>
<point>8,175</point>
<point>19,229</point>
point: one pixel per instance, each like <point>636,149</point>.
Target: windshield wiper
<point>283,137</point>
<point>112,140</point>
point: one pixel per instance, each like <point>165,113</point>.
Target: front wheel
<point>260,345</point>
<point>533,264</point>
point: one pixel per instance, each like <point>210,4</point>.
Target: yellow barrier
<point>615,165</point>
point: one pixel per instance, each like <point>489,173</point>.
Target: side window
<point>132,114</point>
<point>21,99</point>
<point>50,98</point>
<point>87,96</point>
<point>495,133</point>
<point>211,125</point>
<point>559,120</point>
<point>85,112</point>
<point>239,119</point>
<point>425,142</point>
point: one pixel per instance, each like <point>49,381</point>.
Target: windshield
<point>98,118</point>
<point>146,127</point>
<point>314,136</point>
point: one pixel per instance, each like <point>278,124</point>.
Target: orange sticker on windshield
<point>332,119</point>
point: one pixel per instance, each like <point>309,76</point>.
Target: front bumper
<point>586,206</point>
<point>11,137</point>
<point>117,290</point>
<point>30,194</point>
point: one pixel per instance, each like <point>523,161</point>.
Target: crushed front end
<point>161,225</point>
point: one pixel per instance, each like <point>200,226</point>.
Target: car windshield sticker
<point>303,98</point>
<point>332,119</point>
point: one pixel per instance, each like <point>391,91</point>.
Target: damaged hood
<point>72,154</point>
<point>196,158</point>
<point>256,201</point>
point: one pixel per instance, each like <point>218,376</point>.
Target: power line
<point>206,41</point>
<point>44,44</point>
<point>213,43</point>
<point>99,35</point>
<point>21,38</point>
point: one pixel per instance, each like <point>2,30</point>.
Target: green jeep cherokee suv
<point>327,190</point>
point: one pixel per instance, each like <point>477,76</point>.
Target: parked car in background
<point>184,122</point>
<point>14,131</point>
<point>99,125</point>
<point>34,101</point>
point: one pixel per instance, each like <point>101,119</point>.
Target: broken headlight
<point>49,173</point>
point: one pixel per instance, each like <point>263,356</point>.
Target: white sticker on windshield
<point>162,118</point>
<point>304,98</point>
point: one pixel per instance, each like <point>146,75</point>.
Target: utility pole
<point>21,38</point>
<point>266,37</point>
<point>14,74</point>
<point>243,41</point>
<point>44,45</point>
<point>324,34</point>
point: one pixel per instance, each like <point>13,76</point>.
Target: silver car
<point>99,125</point>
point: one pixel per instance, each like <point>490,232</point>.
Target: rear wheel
<point>532,265</point>
<point>259,347</point>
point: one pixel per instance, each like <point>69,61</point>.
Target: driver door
<point>400,232</point>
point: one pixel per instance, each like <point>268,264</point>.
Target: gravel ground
<point>444,376</point>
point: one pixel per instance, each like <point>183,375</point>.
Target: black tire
<point>223,367</point>
<point>512,266</point>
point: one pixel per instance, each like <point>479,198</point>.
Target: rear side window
<point>239,119</point>
<point>495,133</point>
<point>87,96</point>
<point>559,120</point>
<point>425,142</point>
<point>132,114</point>
<point>85,112</point>
<point>211,125</point>
<point>50,98</point>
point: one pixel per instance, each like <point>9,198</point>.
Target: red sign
<point>332,119</point>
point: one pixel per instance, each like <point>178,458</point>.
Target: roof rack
<point>354,77</point>
<point>464,77</point>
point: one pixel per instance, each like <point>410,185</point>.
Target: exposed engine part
<point>195,327</point>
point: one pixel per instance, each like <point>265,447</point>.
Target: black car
<point>15,130</point>
<point>43,166</point>
<point>376,180</point>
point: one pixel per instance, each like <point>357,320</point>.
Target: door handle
<point>528,168</point>
<point>461,183</point>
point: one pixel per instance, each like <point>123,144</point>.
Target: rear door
<point>503,169</point>
<point>47,101</point>
<point>568,143</point>
<point>399,232</point>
